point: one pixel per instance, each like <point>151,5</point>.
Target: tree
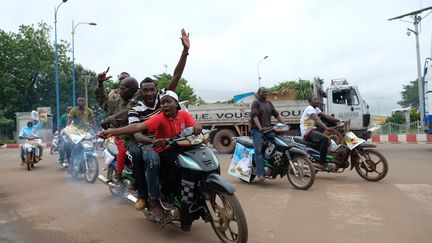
<point>183,90</point>
<point>27,72</point>
<point>410,95</point>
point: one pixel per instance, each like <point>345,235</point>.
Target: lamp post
<point>259,78</point>
<point>56,63</point>
<point>73,56</point>
<point>417,18</point>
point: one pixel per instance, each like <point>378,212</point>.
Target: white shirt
<point>307,123</point>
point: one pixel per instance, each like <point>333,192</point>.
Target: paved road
<point>44,205</point>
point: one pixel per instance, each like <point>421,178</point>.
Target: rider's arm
<point>178,71</point>
<point>328,117</point>
<point>318,121</point>
<point>254,114</point>
<point>141,138</point>
<point>257,123</point>
<point>276,114</point>
<point>129,129</point>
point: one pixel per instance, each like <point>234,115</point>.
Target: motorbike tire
<point>371,166</point>
<point>93,165</point>
<point>51,150</point>
<point>305,179</point>
<point>111,175</point>
<point>29,159</point>
<point>228,209</point>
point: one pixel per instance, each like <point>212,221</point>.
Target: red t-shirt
<point>167,127</point>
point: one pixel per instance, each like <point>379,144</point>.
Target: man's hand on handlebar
<point>104,134</point>
<point>160,142</point>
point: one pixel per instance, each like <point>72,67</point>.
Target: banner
<point>241,162</point>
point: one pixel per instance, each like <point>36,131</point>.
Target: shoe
<point>140,204</point>
<point>260,179</point>
<point>330,167</point>
<point>61,161</point>
<point>157,212</point>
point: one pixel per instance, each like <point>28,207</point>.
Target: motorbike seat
<point>305,143</point>
<point>247,142</point>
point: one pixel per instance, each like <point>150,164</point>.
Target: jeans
<point>170,172</point>
<point>61,148</point>
<point>152,168</point>
<point>139,169</point>
<point>323,141</point>
<point>257,138</point>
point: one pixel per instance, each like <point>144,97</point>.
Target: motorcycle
<point>348,149</point>
<point>31,151</point>
<point>55,143</point>
<point>83,156</point>
<point>282,157</point>
<point>212,197</point>
<point>127,188</point>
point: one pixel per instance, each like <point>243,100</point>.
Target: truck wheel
<point>223,141</point>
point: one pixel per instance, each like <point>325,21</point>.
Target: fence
<point>393,128</point>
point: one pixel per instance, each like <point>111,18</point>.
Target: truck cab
<point>345,102</point>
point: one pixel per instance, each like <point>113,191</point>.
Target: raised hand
<point>102,76</point>
<point>185,39</point>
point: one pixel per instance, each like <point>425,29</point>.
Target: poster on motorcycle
<point>352,140</point>
<point>241,162</point>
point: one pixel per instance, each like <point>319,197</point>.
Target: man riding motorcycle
<point>146,104</point>
<point>28,132</point>
<point>311,117</point>
<point>81,117</point>
<point>165,125</point>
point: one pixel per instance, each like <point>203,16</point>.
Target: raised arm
<point>178,71</point>
<point>101,97</point>
<point>129,129</point>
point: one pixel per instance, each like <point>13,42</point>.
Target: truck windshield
<point>345,97</point>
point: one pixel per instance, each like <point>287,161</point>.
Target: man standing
<point>262,111</point>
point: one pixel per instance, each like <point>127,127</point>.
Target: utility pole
<point>417,19</point>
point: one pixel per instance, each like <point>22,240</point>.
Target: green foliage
<point>111,85</point>
<point>414,115</point>
<point>27,72</point>
<point>183,90</point>
<point>410,95</point>
<point>396,118</point>
<point>303,89</point>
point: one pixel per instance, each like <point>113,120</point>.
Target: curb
<point>402,138</point>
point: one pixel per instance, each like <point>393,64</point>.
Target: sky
<point>302,39</point>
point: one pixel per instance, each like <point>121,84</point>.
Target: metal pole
<point>56,64</point>
<point>420,79</point>
<point>73,64</point>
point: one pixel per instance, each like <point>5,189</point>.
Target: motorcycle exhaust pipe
<point>106,181</point>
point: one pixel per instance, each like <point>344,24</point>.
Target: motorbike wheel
<point>305,173</point>
<point>29,158</point>
<point>372,166</point>
<point>231,225</point>
<point>92,172</point>
<point>112,176</point>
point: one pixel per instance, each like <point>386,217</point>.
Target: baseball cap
<point>171,94</point>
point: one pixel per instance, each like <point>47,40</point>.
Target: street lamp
<point>416,21</point>
<point>259,78</point>
<point>56,63</point>
<point>73,56</point>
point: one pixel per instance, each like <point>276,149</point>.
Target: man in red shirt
<point>167,124</point>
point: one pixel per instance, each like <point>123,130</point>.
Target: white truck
<point>343,101</point>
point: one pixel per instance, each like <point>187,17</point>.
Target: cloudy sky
<point>303,39</point>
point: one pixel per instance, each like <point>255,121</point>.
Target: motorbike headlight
<point>195,139</point>
<point>29,149</point>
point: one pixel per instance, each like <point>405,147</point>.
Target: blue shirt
<point>27,131</point>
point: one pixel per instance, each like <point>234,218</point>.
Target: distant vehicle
<point>427,78</point>
<point>343,101</point>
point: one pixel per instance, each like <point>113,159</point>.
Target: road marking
<point>351,207</point>
<point>419,192</point>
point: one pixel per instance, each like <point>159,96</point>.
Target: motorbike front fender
<point>215,181</point>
